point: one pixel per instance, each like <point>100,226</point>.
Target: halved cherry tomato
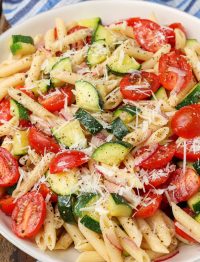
<point>45,191</point>
<point>178,26</point>
<point>67,160</point>
<point>24,123</point>
<point>162,156</point>
<point>149,35</point>
<point>192,151</point>
<point>80,44</point>
<point>9,173</point>
<point>41,142</point>
<point>131,21</point>
<point>5,111</point>
<point>174,71</point>
<point>187,184</point>
<point>7,205</point>
<point>56,101</point>
<point>27,92</point>
<point>138,86</point>
<point>148,210</point>
<point>28,215</point>
<point>185,122</point>
<point>170,35</point>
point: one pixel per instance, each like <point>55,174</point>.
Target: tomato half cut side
<point>139,86</point>
<point>178,26</point>
<point>150,205</point>
<point>7,205</point>
<point>44,190</point>
<point>9,173</point>
<point>185,185</point>
<point>5,111</point>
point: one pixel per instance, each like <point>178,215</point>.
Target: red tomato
<point>185,122</point>
<point>184,235</point>
<point>28,93</point>
<point>41,142</point>
<point>170,35</point>
<point>80,44</point>
<point>5,111</point>
<point>9,173</point>
<point>148,210</point>
<point>187,184</point>
<point>162,156</point>
<point>56,101</point>
<point>7,205</point>
<point>192,151</point>
<point>45,190</point>
<point>24,124</point>
<point>28,215</point>
<point>174,71</point>
<point>145,84</point>
<point>131,21</point>
<point>67,160</point>
<point>178,26</point>
<point>149,35</point>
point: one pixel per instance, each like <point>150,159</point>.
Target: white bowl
<point>109,11</point>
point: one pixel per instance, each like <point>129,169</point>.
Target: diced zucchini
<point>20,143</point>
<point>22,39</point>
<point>64,64</point>
<point>70,135</point>
<point>197,218</point>
<point>118,128</point>
<point>88,121</point>
<point>22,49</point>
<point>87,96</point>
<point>122,63</point>
<point>18,110</point>
<point>41,86</point>
<point>102,33</point>
<point>49,63</point>
<point>126,113</point>
<point>91,221</point>
<point>65,207</point>
<point>90,22</point>
<point>97,53</point>
<point>192,98</point>
<point>84,200</point>
<point>111,153</point>
<point>196,166</point>
<point>118,206</point>
<point>63,183</point>
<point>194,203</point>
<point>160,94</point>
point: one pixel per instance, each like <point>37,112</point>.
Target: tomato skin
<point>24,124</point>
<point>7,205</point>
<point>69,160</point>
<point>9,173</point>
<point>191,155</point>
<point>185,122</point>
<point>5,111</point>
<point>178,26</point>
<point>150,79</point>
<point>149,210</point>
<point>56,102</point>
<point>41,142</point>
<point>187,184</point>
<point>44,191</point>
<point>184,235</point>
<point>131,21</point>
<point>28,215</point>
<point>160,158</point>
<point>169,78</point>
<point>80,44</point>
<point>27,92</point>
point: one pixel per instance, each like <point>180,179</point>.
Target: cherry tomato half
<point>80,44</point>
<point>27,92</point>
<point>9,173</point>
<point>45,191</point>
<point>7,205</point>
<point>178,26</point>
<point>41,142</point>
<point>28,215</point>
<point>185,122</point>
<point>5,111</point>
<point>138,86</point>
<point>192,151</point>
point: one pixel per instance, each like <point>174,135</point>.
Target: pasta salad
<point>100,139</point>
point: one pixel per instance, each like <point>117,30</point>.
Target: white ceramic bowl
<point>109,11</point>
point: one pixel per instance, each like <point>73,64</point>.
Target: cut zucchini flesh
<point>118,206</point>
<point>18,110</point>
<point>192,98</point>
<point>103,33</point>
<point>97,53</point>
<point>112,153</point>
<point>70,135</point>
<point>197,218</point>
<point>91,221</point>
<point>118,128</point>
<point>48,64</point>
<point>84,200</point>
<point>20,142</point>
<point>194,203</point>
<point>65,207</point>
<point>160,94</point>
<point>196,166</point>
<point>88,121</point>
<point>22,39</point>
<point>126,113</point>
<point>63,183</point>
<point>22,49</point>
<point>90,22</point>
<point>41,86</point>
<point>87,96</point>
<point>64,64</point>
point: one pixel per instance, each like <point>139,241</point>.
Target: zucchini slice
<point>126,113</point>
<point>102,33</point>
<point>87,96</point>
<point>22,39</point>
<point>41,86</point>
<point>118,206</point>
<point>160,94</point>
<point>18,110</point>
<point>91,221</point>
<point>84,200</point>
<point>196,166</point>
<point>118,128</point>
<point>88,121</point>
<point>90,22</point>
<point>48,64</point>
<point>65,207</point>
<point>192,98</point>
<point>64,64</point>
<point>22,49</point>
<point>111,153</point>
<point>70,135</point>
<point>194,203</point>
<point>197,218</point>
<point>20,142</point>
<point>97,53</point>
<point>63,183</point>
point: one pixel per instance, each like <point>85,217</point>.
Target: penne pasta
<point>90,256</point>
<point>60,28</point>
<point>49,39</point>
<point>9,127</point>
<point>39,239</point>
<point>64,242</point>
<point>180,39</point>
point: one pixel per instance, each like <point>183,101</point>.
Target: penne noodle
<point>60,28</point>
<point>49,39</point>
<point>194,61</point>
<point>158,136</point>
<point>39,239</point>
<point>63,242</point>
<point>7,143</point>
<point>9,127</point>
<point>180,39</point>
<point>90,256</point>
